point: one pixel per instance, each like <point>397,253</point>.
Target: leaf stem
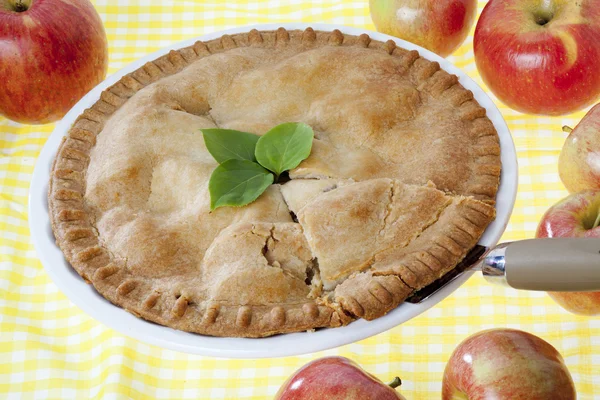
<point>395,383</point>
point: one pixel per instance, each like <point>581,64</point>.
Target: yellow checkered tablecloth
<point>51,349</point>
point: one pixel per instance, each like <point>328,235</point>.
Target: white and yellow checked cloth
<point>51,349</point>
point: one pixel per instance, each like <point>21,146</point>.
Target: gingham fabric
<point>51,349</point>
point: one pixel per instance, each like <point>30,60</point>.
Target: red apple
<point>579,162</point>
<point>506,364</point>
<point>52,52</point>
<point>438,25</point>
<point>576,216</point>
<point>335,378</point>
<point>540,57</point>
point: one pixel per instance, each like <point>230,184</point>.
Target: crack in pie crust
<point>400,184</point>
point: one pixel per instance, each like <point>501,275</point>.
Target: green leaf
<point>227,144</point>
<point>237,183</point>
<point>284,146</point>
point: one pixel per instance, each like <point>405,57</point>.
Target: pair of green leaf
<point>248,162</point>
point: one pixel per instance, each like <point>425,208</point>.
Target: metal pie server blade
<point>550,265</point>
<point>471,260</point>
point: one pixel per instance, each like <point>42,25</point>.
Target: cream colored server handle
<point>551,265</point>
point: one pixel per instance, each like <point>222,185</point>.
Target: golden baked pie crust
<point>387,167</point>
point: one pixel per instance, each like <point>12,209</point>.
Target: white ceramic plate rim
<point>86,298</point>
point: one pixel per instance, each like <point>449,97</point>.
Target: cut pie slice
<point>348,227</point>
<point>437,250</point>
<point>258,264</point>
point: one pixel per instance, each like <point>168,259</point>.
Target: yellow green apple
<point>438,25</point>
<point>579,161</point>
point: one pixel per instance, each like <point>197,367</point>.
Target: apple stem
<point>23,5</point>
<point>597,221</point>
<point>395,383</point>
<point>17,6</point>
<point>567,129</point>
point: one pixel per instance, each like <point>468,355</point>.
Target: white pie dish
<point>85,297</point>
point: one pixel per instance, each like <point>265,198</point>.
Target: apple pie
<point>400,184</point>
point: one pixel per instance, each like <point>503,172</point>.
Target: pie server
<point>551,265</point>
